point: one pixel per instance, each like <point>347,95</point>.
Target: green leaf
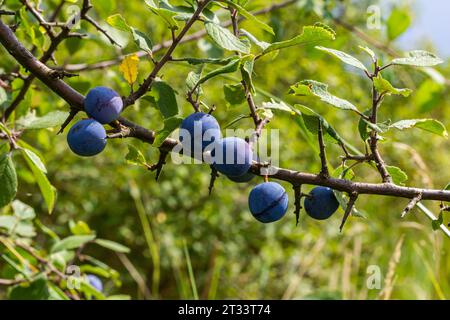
<point>278,106</point>
<point>344,57</point>
<point>47,190</point>
<point>50,120</point>
<point>312,119</point>
<point>320,90</point>
<point>90,291</point>
<point>398,22</point>
<point>165,98</point>
<point>192,79</point>
<point>261,44</point>
<point>398,176</point>
<point>447,187</point>
<point>118,22</point>
<point>255,21</point>
<point>8,180</point>
<point>22,210</point>
<point>369,52</point>
<point>135,156</point>
<point>310,35</point>
<point>225,39</point>
<point>418,58</point>
<point>35,159</point>
<point>37,290</point>
<point>71,242</point>
<point>430,125</point>
<point>247,63</point>
<point>142,40</point>
<point>234,94</point>
<point>79,228</point>
<point>385,87</point>
<point>170,124</point>
<point>111,245</point>
<point>229,68</point>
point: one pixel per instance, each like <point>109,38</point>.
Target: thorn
<point>351,202</point>
<point>214,176</point>
<point>297,203</point>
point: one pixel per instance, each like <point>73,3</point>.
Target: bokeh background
<point>181,238</point>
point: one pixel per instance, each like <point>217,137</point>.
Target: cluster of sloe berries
<point>268,201</point>
<point>88,137</point>
<point>199,134</point>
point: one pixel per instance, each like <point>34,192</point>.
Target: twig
<point>411,204</point>
<point>323,156</point>
<point>160,164</point>
<point>351,202</point>
<point>214,176</point>
<point>297,203</point>
<point>83,15</point>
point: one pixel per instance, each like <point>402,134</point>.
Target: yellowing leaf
<point>129,68</point>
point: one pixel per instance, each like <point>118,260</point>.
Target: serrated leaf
<point>71,242</point>
<point>8,180</point>
<point>320,90</point>
<point>398,176</point>
<point>344,57</point>
<point>129,69</point>
<point>418,58</point>
<point>430,125</point>
<point>47,190</point>
<point>234,94</point>
<point>170,124</point>
<point>225,39</point>
<point>165,98</point>
<point>111,245</point>
<point>50,120</point>
<point>135,156</point>
<point>310,35</point>
<point>385,87</point>
<point>255,21</point>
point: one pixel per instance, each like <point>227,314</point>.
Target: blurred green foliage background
<point>173,225</point>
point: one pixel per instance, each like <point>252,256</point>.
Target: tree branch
<point>75,100</point>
